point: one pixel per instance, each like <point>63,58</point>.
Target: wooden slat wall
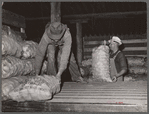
<point>135,45</point>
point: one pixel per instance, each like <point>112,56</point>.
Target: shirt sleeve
<point>40,53</point>
<point>65,51</point>
<point>122,61</point>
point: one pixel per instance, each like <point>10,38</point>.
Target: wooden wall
<point>134,44</point>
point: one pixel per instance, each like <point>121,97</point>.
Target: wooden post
<point>55,12</point>
<point>79,42</point>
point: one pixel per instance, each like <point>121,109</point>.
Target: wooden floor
<point>92,97</point>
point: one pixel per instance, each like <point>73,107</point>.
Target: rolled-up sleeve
<point>65,51</point>
<point>40,53</point>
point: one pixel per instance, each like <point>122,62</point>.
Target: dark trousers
<point>72,65</point>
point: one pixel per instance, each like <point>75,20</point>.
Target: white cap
<point>116,39</point>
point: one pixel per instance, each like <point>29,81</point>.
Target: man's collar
<point>113,54</point>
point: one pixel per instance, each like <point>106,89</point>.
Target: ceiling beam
<point>37,18</point>
<point>112,14</point>
<point>96,15</point>
<point>79,20</point>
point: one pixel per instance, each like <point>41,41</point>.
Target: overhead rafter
<point>106,14</point>
<point>97,15</point>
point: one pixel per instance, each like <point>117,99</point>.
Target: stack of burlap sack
<point>17,55</point>
<point>18,68</point>
<point>98,65</point>
<point>137,65</point>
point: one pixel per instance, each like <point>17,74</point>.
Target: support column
<point>79,42</point>
<point>55,11</point>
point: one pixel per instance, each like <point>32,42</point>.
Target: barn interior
<point>90,23</point>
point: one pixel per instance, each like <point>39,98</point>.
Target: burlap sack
<point>29,49</point>
<point>88,65</point>
<point>36,88</point>
<point>138,70</point>
<point>12,66</point>
<point>10,84</point>
<point>101,64</point>
<point>11,42</point>
<point>135,61</point>
<point>11,46</point>
<point>87,62</point>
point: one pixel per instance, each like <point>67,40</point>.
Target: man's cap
<point>116,39</point>
<point>55,30</point>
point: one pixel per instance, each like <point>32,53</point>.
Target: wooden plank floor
<point>92,97</point>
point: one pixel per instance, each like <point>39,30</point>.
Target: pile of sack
<point>18,56</point>
<point>137,65</point>
<point>18,66</point>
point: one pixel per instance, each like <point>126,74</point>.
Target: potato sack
<point>100,63</point>
<point>36,88</point>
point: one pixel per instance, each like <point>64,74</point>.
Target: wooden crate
<point>13,19</point>
<point>15,22</point>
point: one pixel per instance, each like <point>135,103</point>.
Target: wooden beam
<point>48,18</point>
<point>96,15</point>
<point>95,107</point>
<point>125,49</point>
<point>124,41</point>
<point>55,11</point>
<point>90,56</point>
<point>11,106</point>
<point>13,19</point>
<point>37,18</point>
<point>79,21</point>
<point>79,42</point>
<point>99,15</point>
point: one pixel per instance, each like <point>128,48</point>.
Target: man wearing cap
<point>118,65</point>
<point>57,35</point>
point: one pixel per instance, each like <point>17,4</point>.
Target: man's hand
<point>114,78</point>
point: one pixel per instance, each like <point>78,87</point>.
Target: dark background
<point>100,26</point>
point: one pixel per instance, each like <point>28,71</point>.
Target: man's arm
<point>40,53</point>
<point>65,53</point>
<point>121,73</point>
